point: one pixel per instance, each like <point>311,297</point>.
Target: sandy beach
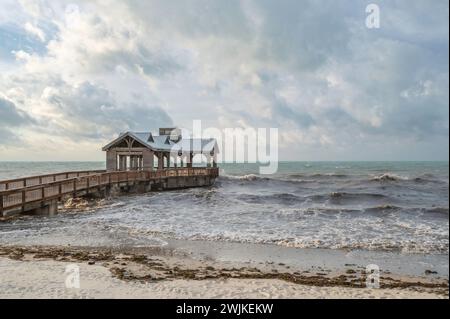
<point>40,272</point>
<point>245,237</point>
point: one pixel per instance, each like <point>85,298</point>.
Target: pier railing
<point>55,186</point>
<point>43,179</point>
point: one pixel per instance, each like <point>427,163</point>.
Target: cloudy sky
<point>73,74</point>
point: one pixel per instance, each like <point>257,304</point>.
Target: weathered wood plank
<point>13,198</point>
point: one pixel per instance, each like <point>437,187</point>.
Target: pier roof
<point>166,144</point>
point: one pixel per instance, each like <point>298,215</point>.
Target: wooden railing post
<point>23,200</point>
<point>1,205</point>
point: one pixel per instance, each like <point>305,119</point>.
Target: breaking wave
<point>375,207</point>
<point>388,178</point>
<point>333,178</point>
<point>247,177</point>
<point>343,197</point>
<point>284,198</point>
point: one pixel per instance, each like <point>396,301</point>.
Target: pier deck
<point>36,192</point>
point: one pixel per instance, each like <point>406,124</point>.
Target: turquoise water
<point>382,206</point>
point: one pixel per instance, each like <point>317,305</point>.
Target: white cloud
<point>310,68</point>
<point>35,31</point>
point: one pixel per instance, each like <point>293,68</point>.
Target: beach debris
<point>76,203</point>
<point>148,268</point>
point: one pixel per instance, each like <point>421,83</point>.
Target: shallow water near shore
<point>335,260</point>
<point>394,213</point>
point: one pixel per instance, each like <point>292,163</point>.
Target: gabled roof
<point>163,143</point>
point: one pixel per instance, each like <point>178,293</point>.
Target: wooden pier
<point>40,194</point>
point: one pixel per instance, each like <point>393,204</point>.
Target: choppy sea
<point>382,206</point>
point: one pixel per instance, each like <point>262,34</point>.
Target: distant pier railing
<point>38,189</point>
<point>43,179</point>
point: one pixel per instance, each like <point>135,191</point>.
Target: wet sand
<point>45,279</point>
<point>337,260</point>
<point>38,272</point>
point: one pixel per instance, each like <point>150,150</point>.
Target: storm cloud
<point>87,70</point>
<point>11,119</point>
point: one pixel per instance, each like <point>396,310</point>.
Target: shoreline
<point>412,264</point>
<point>335,260</point>
<point>171,270</point>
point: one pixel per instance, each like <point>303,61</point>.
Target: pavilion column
<point>168,160</point>
<point>160,160</point>
<point>132,164</point>
<point>214,160</point>
<point>191,157</point>
<point>135,162</point>
<point>175,161</point>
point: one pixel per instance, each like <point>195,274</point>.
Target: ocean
<point>375,206</point>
